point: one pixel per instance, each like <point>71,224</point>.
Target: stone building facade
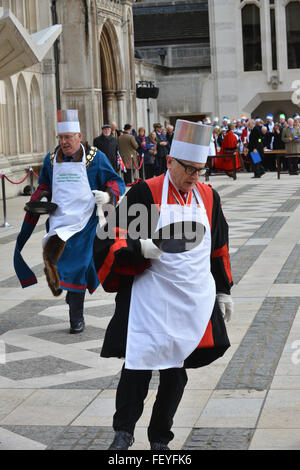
<point>173,36</point>
<point>90,68</point>
<point>255,52</point>
<point>243,59</point>
<point>208,57</point>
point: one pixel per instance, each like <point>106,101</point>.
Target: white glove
<point>101,197</point>
<point>98,231</point>
<point>226,305</point>
<point>149,249</point>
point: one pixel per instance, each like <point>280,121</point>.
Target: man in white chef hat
<point>76,178</point>
<point>170,306</point>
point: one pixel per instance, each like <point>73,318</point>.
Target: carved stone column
<point>120,102</point>
<point>108,106</point>
<point>2,103</point>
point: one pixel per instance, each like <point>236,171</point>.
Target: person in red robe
<point>228,145</point>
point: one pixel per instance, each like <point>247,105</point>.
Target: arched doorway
<point>111,82</point>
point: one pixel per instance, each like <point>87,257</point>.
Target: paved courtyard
<point>57,393</point>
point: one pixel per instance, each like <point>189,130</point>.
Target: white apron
<point>172,301</point>
<point>72,193</point>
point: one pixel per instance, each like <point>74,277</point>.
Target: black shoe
<point>122,441</point>
<point>159,446</point>
<point>255,176</point>
<point>77,327</point>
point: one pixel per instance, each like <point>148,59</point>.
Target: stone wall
<point>94,73</point>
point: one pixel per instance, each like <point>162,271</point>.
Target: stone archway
<point>36,117</point>
<point>111,75</point>
<point>23,113</point>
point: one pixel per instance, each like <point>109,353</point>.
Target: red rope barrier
<point>22,181</point>
<point>13,182</point>
<point>35,174</point>
<point>137,168</point>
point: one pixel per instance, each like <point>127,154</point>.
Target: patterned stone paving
<point>290,273</point>
<point>254,363</point>
<point>219,439</point>
<point>243,259</point>
<point>11,238</point>
<point>37,367</point>
<point>13,281</point>
<point>41,355</point>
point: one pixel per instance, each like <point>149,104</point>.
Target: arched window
<point>36,117</point>
<point>10,141</point>
<point>251,38</point>
<point>293,34</point>
<point>31,16</point>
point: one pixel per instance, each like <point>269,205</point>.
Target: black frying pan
<point>38,207</point>
<point>179,237</point>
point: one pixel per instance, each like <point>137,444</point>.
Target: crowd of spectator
<point>128,148</point>
<point>258,137</point>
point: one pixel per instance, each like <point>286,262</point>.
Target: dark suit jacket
<point>109,146</point>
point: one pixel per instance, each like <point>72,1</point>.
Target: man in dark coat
<point>163,148</point>
<point>269,161</point>
<point>291,137</point>
<point>122,259</point>
<point>256,145</point>
<point>170,133</point>
<point>68,253</point>
<point>108,145</point>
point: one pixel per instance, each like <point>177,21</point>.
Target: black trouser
<point>149,170</point>
<point>131,393</point>
<point>258,169</point>
<point>283,163</point>
<point>162,165</point>
<point>293,164</point>
<point>127,176</point>
<point>75,300</point>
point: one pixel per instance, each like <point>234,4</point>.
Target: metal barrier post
<point>5,224</point>
<point>143,167</point>
<point>131,171</point>
<point>234,166</point>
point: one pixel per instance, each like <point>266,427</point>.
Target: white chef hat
<point>191,141</point>
<point>67,121</point>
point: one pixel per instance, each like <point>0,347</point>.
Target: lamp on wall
<point>274,82</point>
<point>162,54</point>
<point>144,90</point>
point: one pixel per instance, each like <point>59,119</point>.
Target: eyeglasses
<point>191,170</point>
<point>66,137</point>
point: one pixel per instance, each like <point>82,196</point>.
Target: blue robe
<point>76,266</point>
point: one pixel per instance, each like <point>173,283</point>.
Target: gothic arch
<point>36,116</point>
<point>23,116</point>
<point>31,16</point>
<point>251,31</point>
<point>10,141</point>
<point>110,57</point>
<point>292,11</point>
<point>111,72</point>
<point>131,51</point>
<point>17,7</point>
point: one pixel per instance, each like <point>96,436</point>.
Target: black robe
<point>119,259</point>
